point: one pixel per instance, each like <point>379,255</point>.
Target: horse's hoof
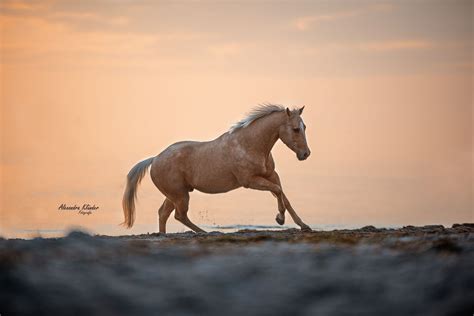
<point>280,220</point>
<point>306,228</point>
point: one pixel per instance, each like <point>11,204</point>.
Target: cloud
<point>306,22</point>
<point>31,41</point>
<point>35,40</point>
<point>46,11</point>
<point>396,45</point>
<point>21,6</point>
<point>90,17</point>
<point>44,36</point>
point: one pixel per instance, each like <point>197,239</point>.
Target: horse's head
<point>293,133</point>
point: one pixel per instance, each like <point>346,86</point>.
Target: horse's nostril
<point>306,154</point>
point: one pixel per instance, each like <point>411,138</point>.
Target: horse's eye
<point>296,130</point>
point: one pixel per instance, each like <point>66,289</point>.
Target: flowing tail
<point>134,178</point>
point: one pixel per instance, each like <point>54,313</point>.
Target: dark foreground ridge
<point>369,271</point>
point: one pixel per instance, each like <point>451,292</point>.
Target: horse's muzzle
<point>304,155</point>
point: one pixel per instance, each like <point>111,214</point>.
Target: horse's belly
<point>215,183</point>
<point>214,190</point>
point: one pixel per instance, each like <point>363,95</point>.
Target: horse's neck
<point>261,135</point>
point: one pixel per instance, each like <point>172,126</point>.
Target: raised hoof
<point>279,220</point>
<point>306,228</point>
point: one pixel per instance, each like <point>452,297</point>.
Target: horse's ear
<point>301,110</point>
<point>288,111</point>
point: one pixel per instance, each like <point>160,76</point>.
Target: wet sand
<point>370,271</point>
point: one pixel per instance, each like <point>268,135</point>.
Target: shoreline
<point>231,229</point>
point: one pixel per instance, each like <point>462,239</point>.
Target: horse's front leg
<point>280,218</point>
<point>284,203</point>
<point>293,214</point>
<point>263,184</point>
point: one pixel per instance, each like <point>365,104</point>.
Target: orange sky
<point>88,88</point>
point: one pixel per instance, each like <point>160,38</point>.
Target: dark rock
<point>78,234</point>
<point>470,225</point>
<point>464,228</point>
<point>433,227</point>
<point>369,228</point>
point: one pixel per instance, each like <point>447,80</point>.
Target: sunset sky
<point>89,88</point>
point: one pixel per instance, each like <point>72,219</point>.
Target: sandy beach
<point>369,271</point>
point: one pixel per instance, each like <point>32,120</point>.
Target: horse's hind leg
<point>181,213</point>
<point>163,213</point>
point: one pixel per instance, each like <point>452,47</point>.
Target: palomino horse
<point>238,158</point>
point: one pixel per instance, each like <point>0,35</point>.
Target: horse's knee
<point>277,191</point>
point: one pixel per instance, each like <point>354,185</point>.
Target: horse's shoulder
<point>270,163</point>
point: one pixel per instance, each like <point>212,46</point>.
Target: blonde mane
<point>257,112</point>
